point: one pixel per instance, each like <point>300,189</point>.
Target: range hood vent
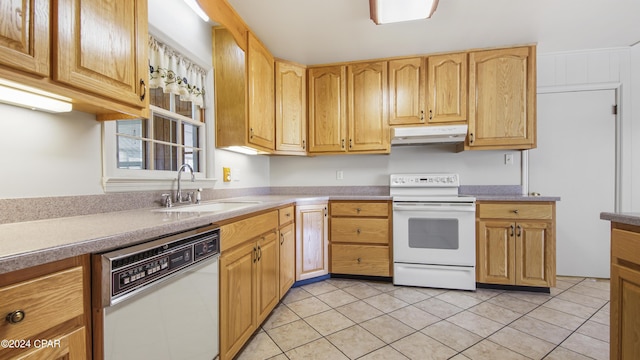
<point>428,134</point>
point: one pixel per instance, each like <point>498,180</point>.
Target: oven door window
<point>433,233</point>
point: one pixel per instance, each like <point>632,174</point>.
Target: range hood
<point>428,134</point>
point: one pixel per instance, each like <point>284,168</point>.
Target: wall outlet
<point>339,175</point>
<point>226,174</point>
<point>508,159</point>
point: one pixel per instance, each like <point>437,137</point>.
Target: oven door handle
<point>427,207</point>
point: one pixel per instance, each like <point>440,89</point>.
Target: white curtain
<point>175,74</point>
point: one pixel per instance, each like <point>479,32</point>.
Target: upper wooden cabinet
<point>407,91</point>
<point>24,36</point>
<point>291,108</point>
<point>362,89</point>
<point>92,52</point>
<point>447,88</point>
<point>502,93</point>
<point>244,93</point>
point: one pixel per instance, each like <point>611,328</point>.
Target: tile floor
<point>353,319</point>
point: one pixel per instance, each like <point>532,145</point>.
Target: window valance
<point>175,74</point>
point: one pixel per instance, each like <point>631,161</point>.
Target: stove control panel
<point>425,180</point>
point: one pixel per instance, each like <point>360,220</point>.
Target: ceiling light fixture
<point>193,4</point>
<point>32,98</point>
<point>390,11</point>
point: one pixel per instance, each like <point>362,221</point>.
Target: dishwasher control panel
<point>131,269</point>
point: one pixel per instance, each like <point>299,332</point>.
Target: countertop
<point>515,197</point>
<point>623,218</point>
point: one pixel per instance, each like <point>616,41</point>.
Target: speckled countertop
<point>623,218</point>
<point>501,193</point>
<point>30,243</point>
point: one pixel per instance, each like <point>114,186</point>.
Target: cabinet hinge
<point>614,109</point>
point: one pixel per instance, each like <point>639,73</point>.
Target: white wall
<point>634,127</point>
<point>474,167</point>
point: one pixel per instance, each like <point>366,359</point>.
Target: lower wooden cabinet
<point>625,292</point>
<point>360,238</point>
<point>287,258</point>
<point>50,302</point>
<point>516,244</point>
<point>312,246</point>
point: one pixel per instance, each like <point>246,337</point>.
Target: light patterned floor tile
<point>414,317</point>
<point>387,328</point>
<point>320,349</point>
<point>588,346</point>
<point>281,315</point>
<point>581,299</point>
<point>421,347</point>
<point>296,294</point>
<point>279,357</point>
<point>429,291</point>
<point>386,353</point>
<point>532,297</point>
<point>382,286</point>
<point>438,308</point>
<point>355,341</point>
<point>602,316</point>
<point>495,313</point>
<point>488,350</point>
<point>601,284</point>
<point>319,287</point>
<point>571,279</point>
<point>541,329</point>
<point>293,335</point>
<point>259,347</point>
<point>359,311</point>
<point>522,343</point>
<point>590,291</point>
<point>572,308</point>
<point>342,283</point>
<point>329,322</point>
<point>485,294</point>
<point>459,299</point>
<point>561,353</point>
<point>459,357</point>
<point>563,285</point>
<point>451,335</point>
<point>337,298</point>
<point>509,302</point>
<point>475,323</point>
<point>307,307</point>
<point>409,295</point>
<point>595,330</point>
<point>555,317</point>
<point>385,302</point>
<point>362,291</point>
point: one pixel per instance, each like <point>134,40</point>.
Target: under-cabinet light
<point>193,4</point>
<point>390,11</point>
<point>32,98</point>
<point>242,150</point>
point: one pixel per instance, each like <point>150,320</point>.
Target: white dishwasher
<point>159,300</point>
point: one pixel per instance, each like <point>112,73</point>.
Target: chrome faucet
<point>179,197</point>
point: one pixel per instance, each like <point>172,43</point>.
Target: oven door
<point>434,233</point>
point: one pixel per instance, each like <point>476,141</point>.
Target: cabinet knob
<point>358,231</point>
<point>359,260</point>
<point>358,210</point>
<point>516,211</point>
<point>15,317</point>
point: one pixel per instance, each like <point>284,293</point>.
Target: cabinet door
<point>535,254</point>
<point>625,312</point>
<point>24,35</point>
<point>367,104</point>
<point>496,252</point>
<point>312,246</point>
<point>267,267</point>
<point>291,107</point>
<point>260,74</point>
<point>287,258</point>
<point>71,346</point>
<point>406,91</point>
<point>327,109</point>
<point>237,304</point>
<point>502,91</point>
<point>447,89</point>
<point>101,47</point>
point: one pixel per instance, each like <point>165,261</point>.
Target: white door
<point>575,159</point>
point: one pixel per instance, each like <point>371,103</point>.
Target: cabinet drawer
<point>244,230</point>
<point>356,230</point>
<point>46,301</point>
<point>360,260</point>
<point>625,245</point>
<point>515,211</point>
<point>360,209</point>
<point>285,215</point>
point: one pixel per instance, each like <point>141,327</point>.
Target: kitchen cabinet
<point>92,52</point>
<point>244,92</point>
<point>51,302</point>
<point>291,108</point>
<point>625,291</point>
<point>516,243</point>
<point>407,91</point>
<point>312,245</point>
<point>447,88</point>
<point>348,109</point>
<point>248,278</point>
<point>360,238</point>
<point>287,249</point>
<point>502,93</point>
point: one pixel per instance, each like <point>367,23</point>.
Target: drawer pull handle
<point>287,214</point>
<point>15,316</point>
<point>281,238</point>
<point>358,231</point>
<point>516,211</point>
<point>359,260</point>
<point>511,230</point>
<point>358,210</point>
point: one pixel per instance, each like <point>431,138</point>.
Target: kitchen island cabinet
<point>516,243</point>
<point>50,302</point>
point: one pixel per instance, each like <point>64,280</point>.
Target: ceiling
<point>325,31</point>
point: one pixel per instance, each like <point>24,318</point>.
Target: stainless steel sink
<point>218,206</point>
